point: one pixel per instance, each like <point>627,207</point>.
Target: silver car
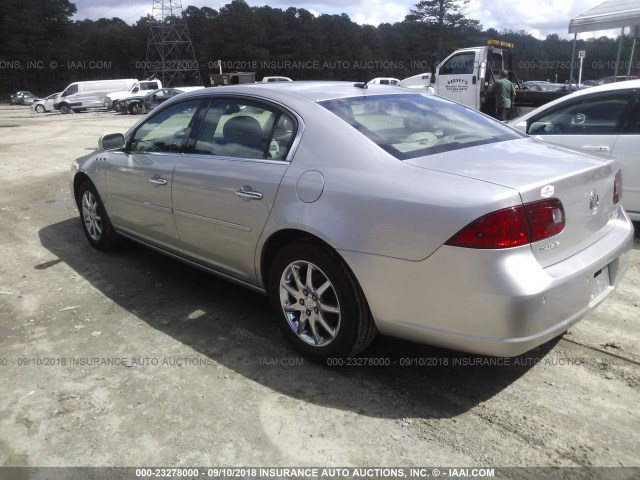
<point>42,105</point>
<point>604,120</point>
<point>362,210</point>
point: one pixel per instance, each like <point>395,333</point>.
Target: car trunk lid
<point>583,183</point>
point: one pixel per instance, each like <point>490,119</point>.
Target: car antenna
<point>364,86</point>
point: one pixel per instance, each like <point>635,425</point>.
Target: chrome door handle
<point>249,194</point>
<point>598,148</point>
<point>158,180</point>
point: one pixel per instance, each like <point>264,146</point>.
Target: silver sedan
<point>363,209</point>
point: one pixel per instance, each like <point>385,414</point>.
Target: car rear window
<point>415,125</point>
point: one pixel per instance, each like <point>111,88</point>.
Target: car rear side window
<point>415,125</point>
<point>245,129</point>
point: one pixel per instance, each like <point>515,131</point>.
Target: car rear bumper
<point>492,302</point>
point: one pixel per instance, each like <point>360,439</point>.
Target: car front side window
<point>167,131</point>
<point>245,129</point>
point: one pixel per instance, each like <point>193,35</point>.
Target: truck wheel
<point>64,109</point>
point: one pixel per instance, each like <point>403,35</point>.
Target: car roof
<point>312,90</point>
<point>609,87</point>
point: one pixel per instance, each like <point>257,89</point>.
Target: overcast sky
<point>538,17</point>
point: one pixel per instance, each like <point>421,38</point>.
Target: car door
<point>225,187</point>
<point>139,178</point>
<point>589,122</point>
<point>71,95</point>
<point>457,79</point>
<point>626,151</point>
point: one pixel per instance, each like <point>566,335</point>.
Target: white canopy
<point>608,15</point>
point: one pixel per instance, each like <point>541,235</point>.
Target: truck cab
<point>467,75</point>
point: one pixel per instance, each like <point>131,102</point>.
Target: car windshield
<point>415,125</point>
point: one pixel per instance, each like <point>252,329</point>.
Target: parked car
<point>41,105</point>
<point>544,86</point>
<point>619,78</point>
<point>138,105</point>
<point>603,119</point>
<point>21,97</point>
<point>276,79</point>
<point>384,81</point>
<point>392,211</point>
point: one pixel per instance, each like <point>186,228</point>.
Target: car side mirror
<point>111,141</point>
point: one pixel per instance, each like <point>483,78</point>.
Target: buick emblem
<point>594,202</point>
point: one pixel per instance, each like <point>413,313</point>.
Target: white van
<point>82,95</point>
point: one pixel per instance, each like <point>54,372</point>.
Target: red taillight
<point>546,218</point>
<point>513,226</point>
<point>617,187</point>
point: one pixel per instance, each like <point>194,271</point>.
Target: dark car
<point>138,105</point>
<point>21,97</point>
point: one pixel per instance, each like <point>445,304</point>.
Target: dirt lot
<point>132,359</point>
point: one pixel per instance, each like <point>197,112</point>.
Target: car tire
<point>94,219</point>
<point>136,108</point>
<point>323,312</point>
<point>40,109</point>
<point>117,107</point>
<point>64,109</point>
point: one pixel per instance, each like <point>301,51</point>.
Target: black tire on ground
<point>136,108</point>
<point>40,108</point>
<point>117,106</point>
<point>323,314</point>
<point>94,219</point>
<point>64,108</point>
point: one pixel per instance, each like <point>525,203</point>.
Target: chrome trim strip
<point>144,204</point>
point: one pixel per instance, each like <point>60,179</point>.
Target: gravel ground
<point>132,359</point>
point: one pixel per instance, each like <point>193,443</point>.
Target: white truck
<point>138,89</point>
<point>468,74</point>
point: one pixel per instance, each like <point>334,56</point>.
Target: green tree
<point>444,14</point>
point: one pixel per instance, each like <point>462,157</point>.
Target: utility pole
<point>170,55</point>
